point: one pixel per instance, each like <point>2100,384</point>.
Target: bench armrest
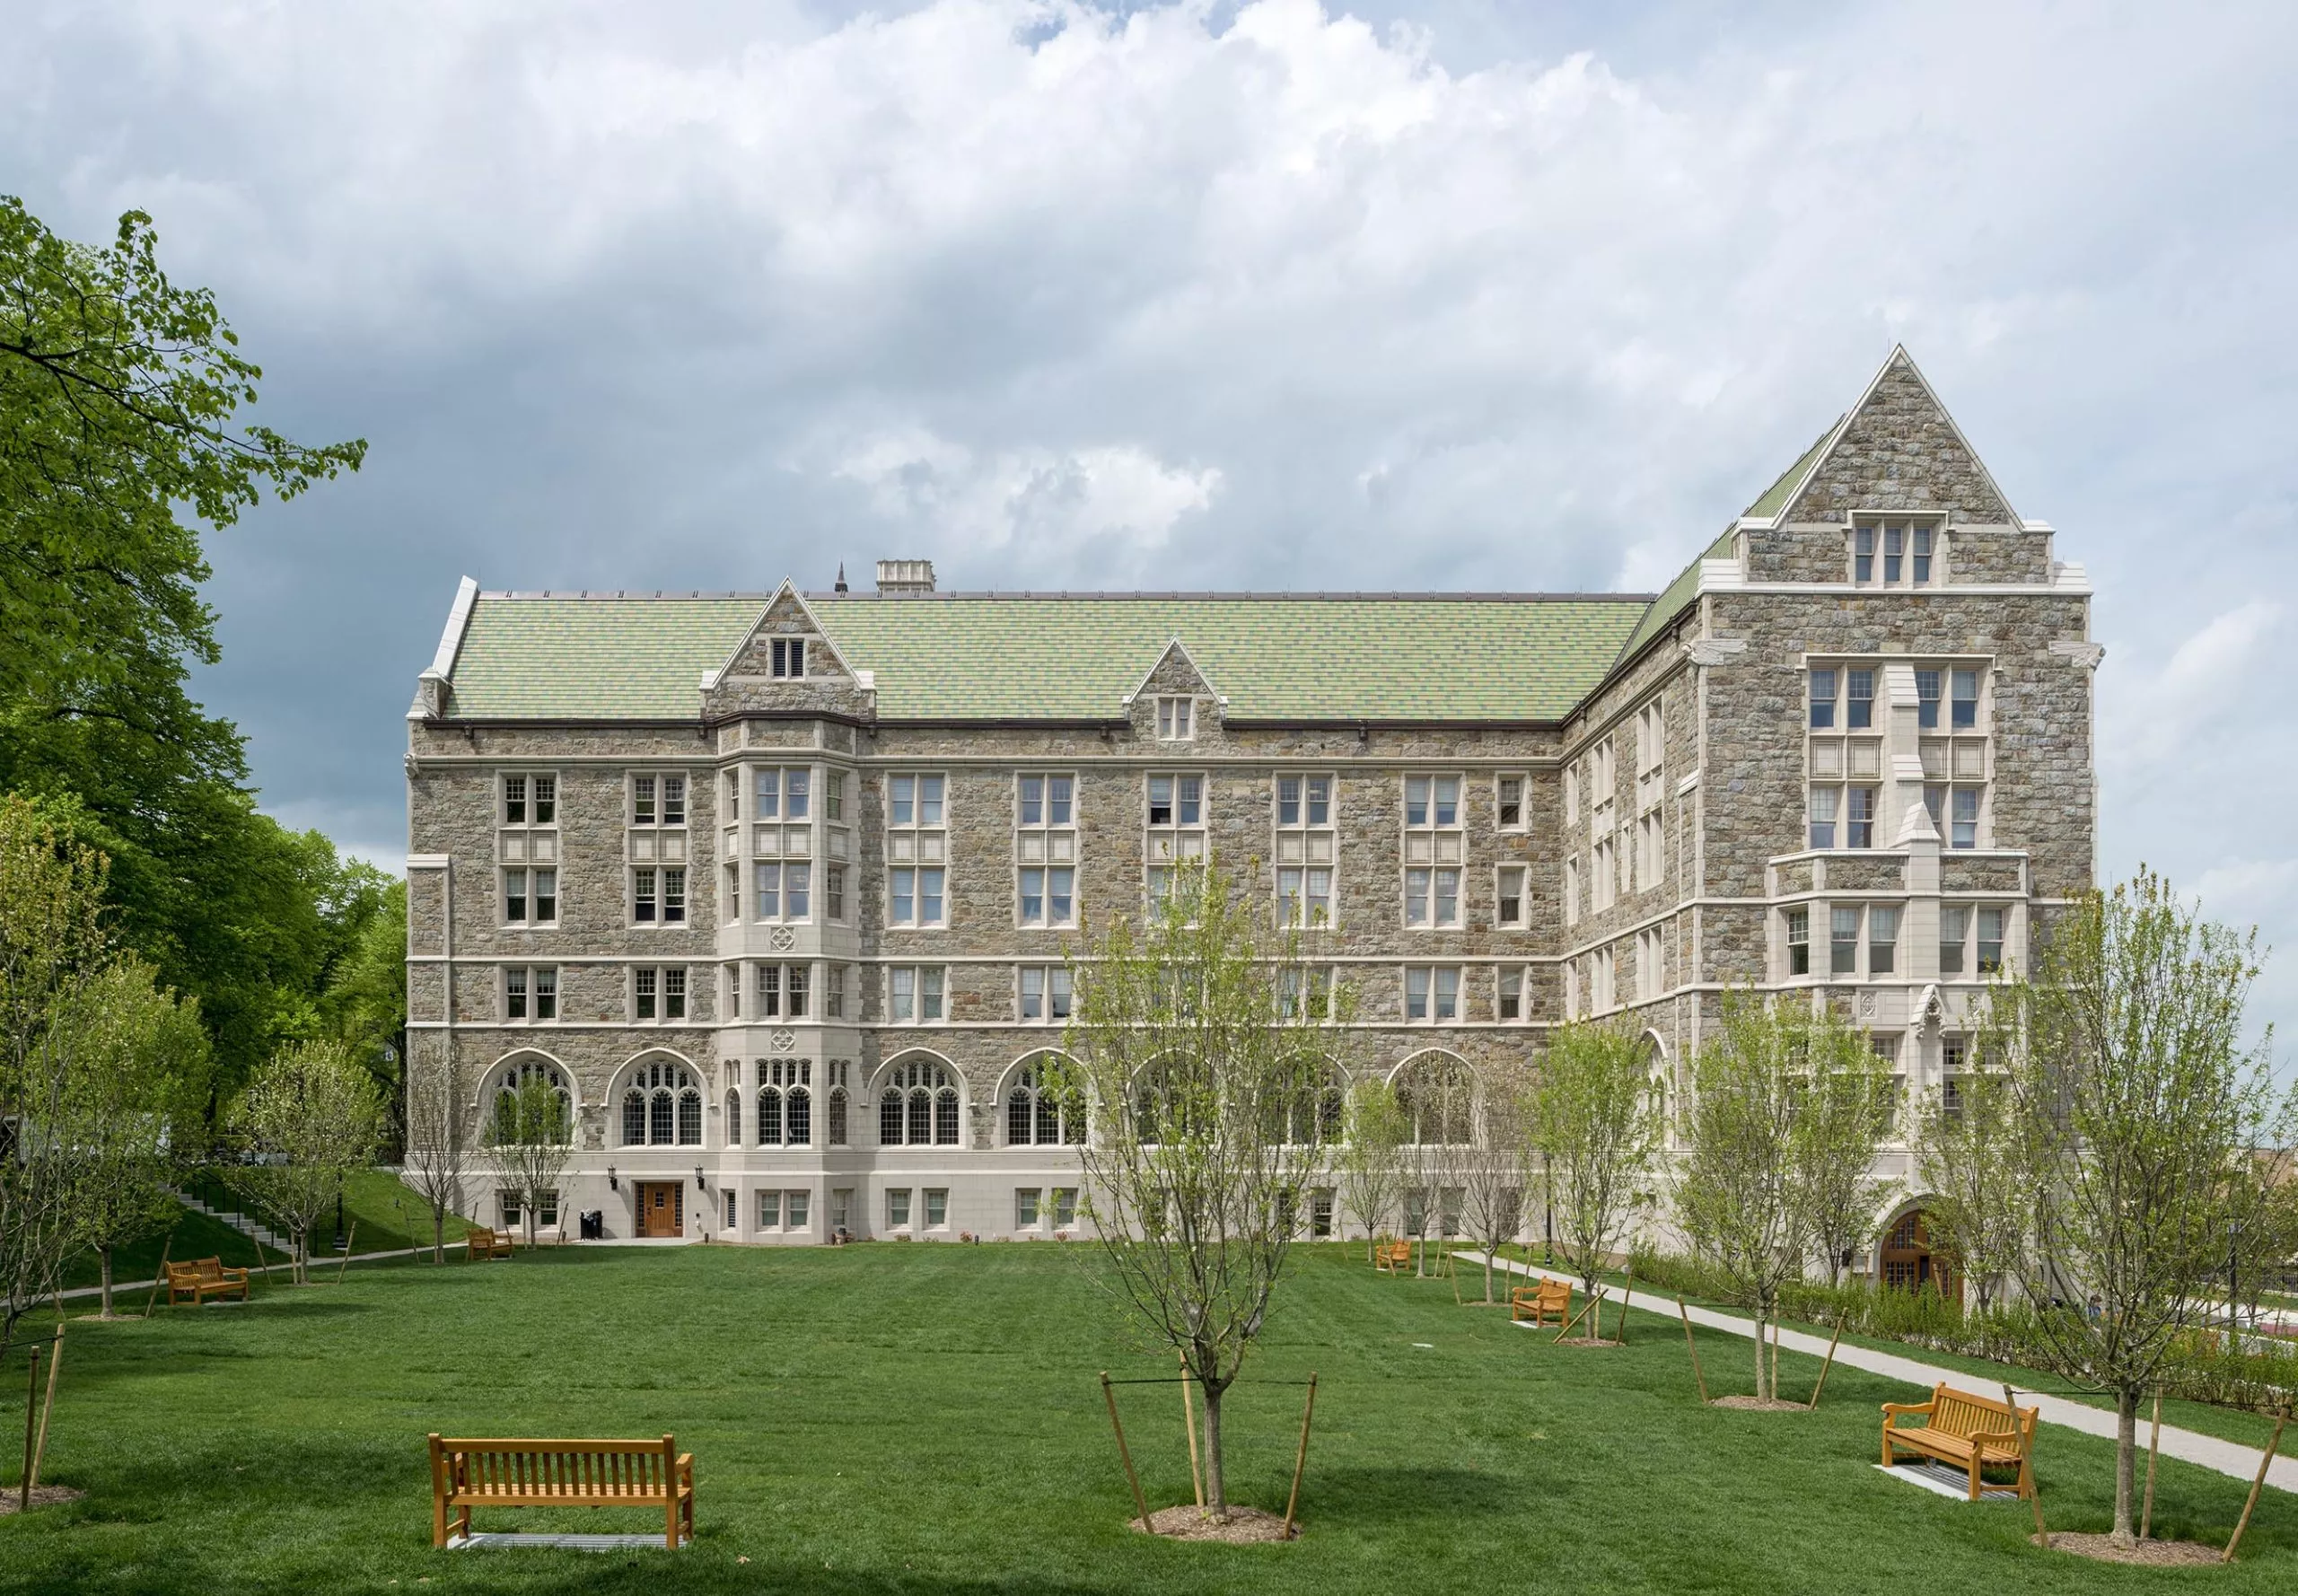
<point>686,1469</point>
<point>1894,1411</point>
<point>2007,1438</point>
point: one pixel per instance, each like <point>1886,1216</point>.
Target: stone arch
<point>657,1098</point>
<point>520,1065</point>
<point>1439,1091</point>
<point>920,1100</point>
<point>1026,1106</point>
<point>1903,1254</point>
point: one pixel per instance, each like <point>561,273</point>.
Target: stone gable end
<point>1899,452</point>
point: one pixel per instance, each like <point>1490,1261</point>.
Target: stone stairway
<point>240,1223</point>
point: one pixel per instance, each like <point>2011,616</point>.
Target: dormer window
<point>788,658</point>
<point>1901,554</point>
<point>1176,720</point>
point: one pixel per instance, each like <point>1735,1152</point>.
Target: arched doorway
<point>1904,1261</point>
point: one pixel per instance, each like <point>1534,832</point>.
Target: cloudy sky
<point>1461,294</point>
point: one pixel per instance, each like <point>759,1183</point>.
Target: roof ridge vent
<point>905,576</point>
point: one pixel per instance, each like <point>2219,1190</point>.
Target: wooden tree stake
<point>1140,1501</point>
<point>347,1241</point>
<point>46,1406</point>
<point>31,1416</point>
<point>160,1278</point>
<point>2027,1463</point>
<point>2153,1446</point>
<point>1594,1298</point>
<point>2265,1461</point>
<point>1301,1458</point>
<point>1626,1297</point>
<point>1821,1384</point>
<point>1188,1425</point>
<point>1694,1348</point>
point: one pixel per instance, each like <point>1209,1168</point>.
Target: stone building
<point>776,887</point>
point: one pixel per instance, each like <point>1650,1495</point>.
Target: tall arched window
<point>919,1105</point>
<point>517,1072</point>
<point>1036,1114</point>
<point>786,1108</point>
<point>1437,1092</point>
<point>733,1117</point>
<point>662,1106</point>
<point>1313,1106</point>
<point>837,1117</point>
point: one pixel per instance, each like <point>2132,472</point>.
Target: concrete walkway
<point>2206,1451</point>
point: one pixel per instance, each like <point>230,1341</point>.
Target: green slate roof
<point>982,656</point>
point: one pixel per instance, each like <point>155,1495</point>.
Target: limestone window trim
<point>658,896</point>
<point>1305,991</point>
<point>1177,717</point>
<point>783,1116</point>
<point>1042,995</point>
<point>917,994</point>
<point>526,849</point>
<point>659,994</point>
<point>916,850</point>
<point>1651,963</point>
<point>530,994</point>
<point>1433,995</point>
<point>784,873</point>
<point>1434,849</point>
<point>1649,864</point>
<point>1512,993</point>
<point>1306,846</point>
<point>1045,849</point>
<point>1512,801</point>
<point>1175,831</point>
<point>1512,897</point>
<point>1899,552</point>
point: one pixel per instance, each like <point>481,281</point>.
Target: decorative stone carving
<point>1715,650</point>
<point>2085,655</point>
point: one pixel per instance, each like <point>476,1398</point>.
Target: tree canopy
<point>121,440</point>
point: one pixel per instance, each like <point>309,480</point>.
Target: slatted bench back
<point>571,1473</point>
<point>1964,1414</point>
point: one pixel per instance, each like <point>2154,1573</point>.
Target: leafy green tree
<point>1772,1091</point>
<point>2140,1113</point>
<point>307,1120</point>
<point>132,1116</point>
<point>1849,1107</point>
<point>119,437</point>
<point>530,1137</point>
<point>1594,1122</point>
<point>84,1036</point>
<point>1209,1084</point>
<point>1969,1158</point>
<point>1371,1160</point>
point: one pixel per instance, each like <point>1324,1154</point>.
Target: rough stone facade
<point>1708,810</point>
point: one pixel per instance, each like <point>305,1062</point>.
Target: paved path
<point>2208,1452</point>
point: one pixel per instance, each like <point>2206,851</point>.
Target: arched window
<point>769,1118</point>
<point>515,1074</point>
<point>1312,1107</point>
<point>786,1108</point>
<point>837,1117</point>
<point>733,1119</point>
<point>1036,1114</point>
<point>1437,1094</point>
<point>919,1105</point>
<point>663,1105</point>
<point>800,1123</point>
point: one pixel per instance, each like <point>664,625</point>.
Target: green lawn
<point>926,1419</point>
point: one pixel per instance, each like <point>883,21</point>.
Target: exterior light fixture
<point>700,1183</point>
<point>612,1184</point>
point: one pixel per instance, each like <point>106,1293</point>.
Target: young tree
<point>530,1137</point>
<point>1768,1093</point>
<point>1203,1080</point>
<point>2138,1107</point>
<point>438,1139</point>
<point>1848,1108</point>
<point>308,1120</point>
<point>1492,1180</point>
<point>131,1117</point>
<point>1969,1158</point>
<point>1597,1127</point>
<point>1371,1160</point>
<point>1437,1097</point>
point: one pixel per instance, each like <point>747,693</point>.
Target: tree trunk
<point>1216,1491</point>
<point>2125,1462</point>
<point>438,1235</point>
<point>104,1255</point>
<point>1763,1387</point>
<point>1488,1274</point>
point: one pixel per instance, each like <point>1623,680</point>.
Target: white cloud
<point>2212,677</point>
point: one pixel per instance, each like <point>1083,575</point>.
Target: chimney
<point>905,576</point>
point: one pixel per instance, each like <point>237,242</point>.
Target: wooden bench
<point>202,1278</point>
<point>468,1474</point>
<point>1390,1257</point>
<point>1540,1302</point>
<point>487,1243</point>
<point>1968,1431</point>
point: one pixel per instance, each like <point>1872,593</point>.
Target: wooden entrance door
<point>1908,1261</point>
<point>662,1208</point>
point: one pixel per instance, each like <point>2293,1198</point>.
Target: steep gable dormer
<point>787,663</point>
<point>1174,703</point>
